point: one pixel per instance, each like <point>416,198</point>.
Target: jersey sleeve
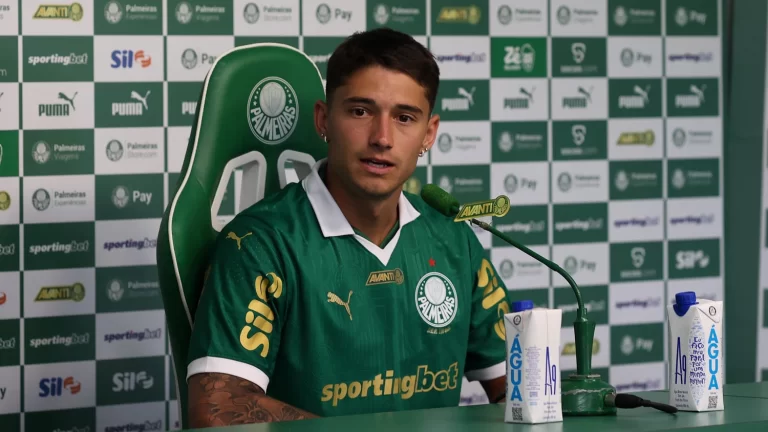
<point>486,352</point>
<point>243,305</point>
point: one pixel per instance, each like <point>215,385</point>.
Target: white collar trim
<point>334,224</point>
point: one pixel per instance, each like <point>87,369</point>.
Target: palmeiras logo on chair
<point>273,110</point>
<point>436,299</point>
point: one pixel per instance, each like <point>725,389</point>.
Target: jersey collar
<point>329,216</point>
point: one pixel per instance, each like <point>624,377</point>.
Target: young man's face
<point>378,123</point>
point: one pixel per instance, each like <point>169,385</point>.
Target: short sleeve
<point>243,305</point>
<point>487,338</point>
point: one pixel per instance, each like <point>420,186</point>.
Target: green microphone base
<point>584,395</point>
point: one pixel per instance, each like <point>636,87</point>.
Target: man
<point>341,294</point>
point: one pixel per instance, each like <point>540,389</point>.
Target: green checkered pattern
<point>600,119</point>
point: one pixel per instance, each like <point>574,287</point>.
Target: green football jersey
<point>322,319</point>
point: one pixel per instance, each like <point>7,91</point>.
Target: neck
<point>373,217</point>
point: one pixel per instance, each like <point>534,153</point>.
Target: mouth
<point>377,163</point>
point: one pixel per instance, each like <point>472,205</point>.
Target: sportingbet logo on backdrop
<point>595,299</point>
<point>56,339</point>
<point>460,57</point>
<point>518,57</point>
<point>637,302</point>
<point>580,223</point>
<point>9,248</point>
<point>9,343</point>
<point>58,246</point>
<point>58,59</point>
<point>636,221</point>
<point>694,258</point>
<point>687,59</point>
<point>579,140</point>
<point>585,57</point>
<point>694,218</point>
<point>130,334</point>
<point>528,224</point>
<point>639,343</point>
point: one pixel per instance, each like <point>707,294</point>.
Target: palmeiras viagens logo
<point>273,110</point>
<point>436,299</point>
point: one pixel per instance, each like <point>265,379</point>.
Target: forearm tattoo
<point>221,400</point>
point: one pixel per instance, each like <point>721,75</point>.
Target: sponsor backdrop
<point>601,120</point>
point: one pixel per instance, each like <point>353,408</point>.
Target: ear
<point>432,126</point>
<point>321,118</point>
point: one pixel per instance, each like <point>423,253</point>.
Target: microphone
<point>583,393</point>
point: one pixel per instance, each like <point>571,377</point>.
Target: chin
<point>377,190</point>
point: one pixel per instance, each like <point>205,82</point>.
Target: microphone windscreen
<point>440,200</point>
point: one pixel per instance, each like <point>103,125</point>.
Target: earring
<point>322,135</point>
<point>421,153</point>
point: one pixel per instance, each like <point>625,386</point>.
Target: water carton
<point>696,353</point>
<point>533,366</point>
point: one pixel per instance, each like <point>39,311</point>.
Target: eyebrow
<point>363,100</point>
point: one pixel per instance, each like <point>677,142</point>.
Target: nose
<point>381,132</point>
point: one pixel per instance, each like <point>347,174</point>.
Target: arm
<point>218,399</point>
<point>486,354</point>
<point>238,328</point>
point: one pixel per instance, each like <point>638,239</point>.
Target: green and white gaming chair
<point>255,113</point>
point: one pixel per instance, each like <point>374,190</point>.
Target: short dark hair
<point>388,48</point>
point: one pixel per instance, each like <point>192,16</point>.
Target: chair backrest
<point>255,112</point>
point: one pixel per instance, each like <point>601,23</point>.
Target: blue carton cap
<point>521,305</point>
<point>683,301</point>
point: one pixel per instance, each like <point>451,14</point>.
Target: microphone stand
<point>583,393</point>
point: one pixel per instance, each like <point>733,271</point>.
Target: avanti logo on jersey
<point>131,335</point>
<point>259,316</point>
<point>127,59</point>
<point>131,244</point>
<point>131,381</point>
<point>74,292</point>
<point>423,381</point>
<point>73,11</point>
<point>58,386</point>
<point>384,277</point>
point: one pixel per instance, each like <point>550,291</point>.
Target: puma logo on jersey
<point>233,236</point>
<point>333,298</point>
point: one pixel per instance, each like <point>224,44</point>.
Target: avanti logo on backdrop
<point>114,12</point>
<point>74,292</point>
<point>324,14</point>
<point>453,14</point>
<point>643,138</point>
<point>73,11</point>
<point>5,200</point>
